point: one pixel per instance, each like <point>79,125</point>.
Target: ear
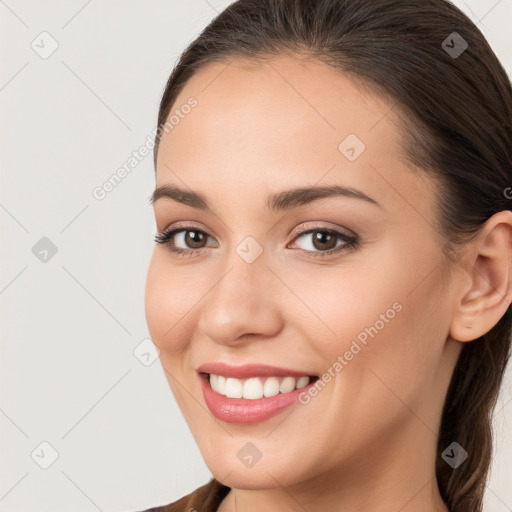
<point>487,294</point>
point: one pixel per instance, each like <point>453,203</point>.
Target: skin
<point>367,441</point>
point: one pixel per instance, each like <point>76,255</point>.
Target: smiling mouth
<point>254,388</point>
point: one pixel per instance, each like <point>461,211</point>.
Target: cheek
<point>154,302</point>
<point>382,360</point>
<point>168,303</point>
<point>354,301</point>
<point>383,319</point>
<point>166,308</point>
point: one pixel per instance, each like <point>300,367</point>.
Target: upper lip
<point>249,370</point>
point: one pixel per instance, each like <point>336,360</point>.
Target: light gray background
<point>69,376</point>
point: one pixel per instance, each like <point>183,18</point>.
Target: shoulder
<point>204,499</point>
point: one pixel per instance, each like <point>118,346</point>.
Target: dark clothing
<point>206,498</point>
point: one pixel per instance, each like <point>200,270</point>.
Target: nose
<point>242,302</point>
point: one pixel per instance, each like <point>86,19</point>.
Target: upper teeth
<point>255,387</point>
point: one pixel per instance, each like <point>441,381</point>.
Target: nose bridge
<point>239,301</point>
<point>244,270</point>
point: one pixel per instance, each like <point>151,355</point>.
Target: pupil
<point>195,238</point>
<point>323,237</point>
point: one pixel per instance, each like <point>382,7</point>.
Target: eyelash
<point>351,242</point>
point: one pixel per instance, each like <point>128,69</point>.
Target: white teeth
<point>218,383</point>
<point>301,382</point>
<point>271,386</point>
<point>287,385</point>
<point>233,388</point>
<point>255,387</point>
<point>221,384</point>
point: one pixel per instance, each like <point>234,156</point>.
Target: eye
<point>321,241</point>
<point>191,238</point>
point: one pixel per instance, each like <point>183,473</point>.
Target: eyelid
<point>303,228</point>
<point>185,226</point>
<point>182,224</point>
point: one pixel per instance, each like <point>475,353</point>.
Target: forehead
<point>279,98</point>
<point>261,125</point>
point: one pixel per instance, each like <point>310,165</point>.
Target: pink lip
<point>244,411</point>
<point>249,370</point>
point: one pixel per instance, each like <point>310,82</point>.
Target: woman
<point>331,287</point>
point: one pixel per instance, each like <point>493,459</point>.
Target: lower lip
<point>243,411</point>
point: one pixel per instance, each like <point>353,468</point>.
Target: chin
<point>265,474</point>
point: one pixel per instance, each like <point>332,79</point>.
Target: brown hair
<point>456,115</point>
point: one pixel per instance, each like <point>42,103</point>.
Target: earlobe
<point>489,265</point>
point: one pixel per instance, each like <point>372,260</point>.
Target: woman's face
<point>373,314</point>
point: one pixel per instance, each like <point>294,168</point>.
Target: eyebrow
<point>279,201</point>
